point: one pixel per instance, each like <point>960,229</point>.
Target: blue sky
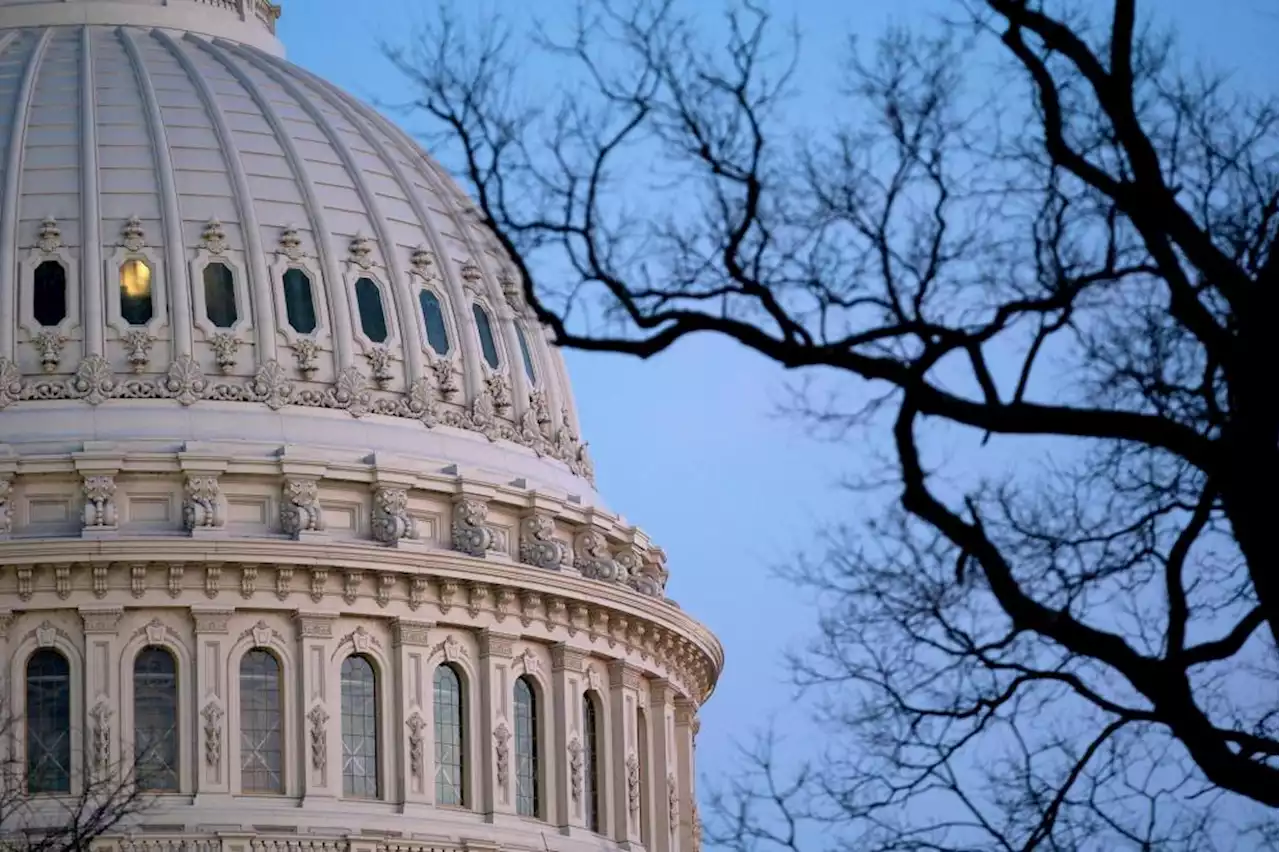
<point>688,444</point>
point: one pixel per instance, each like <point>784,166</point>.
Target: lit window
<point>359,728</point>
<point>487,344</point>
<point>298,302</point>
<point>135,293</point>
<point>155,719</point>
<point>219,295</point>
<point>261,748</point>
<point>49,293</point>
<point>525,354</point>
<point>48,719</point>
<point>433,319</point>
<point>449,737</point>
<point>591,764</point>
<point>527,798</point>
<point>373,321</point>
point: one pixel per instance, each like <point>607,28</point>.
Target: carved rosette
<point>470,533</point>
<point>300,511</point>
<point>391,519</point>
<point>538,546</point>
<point>319,718</point>
<point>99,502</point>
<point>202,503</point>
<point>212,715</point>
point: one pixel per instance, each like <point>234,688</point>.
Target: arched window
<point>433,320</point>
<point>48,719</point>
<point>526,355</point>
<point>450,741</point>
<point>591,791</point>
<point>261,740</point>
<point>487,344</point>
<point>136,307</point>
<point>49,293</point>
<point>155,719</point>
<point>528,802</point>
<point>299,303</point>
<point>220,295</point>
<point>373,320</point>
<point>359,728</point>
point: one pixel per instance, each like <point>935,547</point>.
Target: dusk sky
<point>688,445</point>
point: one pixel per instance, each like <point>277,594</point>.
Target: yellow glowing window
<point>135,292</point>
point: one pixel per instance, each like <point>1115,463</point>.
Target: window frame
<point>176,731</point>
<point>528,358</point>
<point>593,763</point>
<point>283,264</point>
<point>377,275</point>
<point>283,709</point>
<point>379,738</point>
<point>536,723</point>
<point>446,316</point>
<point>494,333</point>
<point>159,289</point>
<point>20,686</point>
<point>26,294</point>
<point>202,258</point>
<point>464,738</point>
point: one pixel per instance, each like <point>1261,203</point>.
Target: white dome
<point>168,179</point>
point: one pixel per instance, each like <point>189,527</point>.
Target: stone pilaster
<point>320,711</point>
<point>414,720</point>
<point>662,722</point>
<point>686,713</point>
<point>213,722</point>
<point>624,689</point>
<point>566,746</point>
<point>101,693</point>
<point>497,728</point>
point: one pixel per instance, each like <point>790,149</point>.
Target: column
<point>213,716</point>
<point>415,728</point>
<point>686,713</point>
<point>566,745</point>
<point>320,744</point>
<point>101,693</point>
<point>497,730</point>
<point>624,687</point>
<point>662,723</point>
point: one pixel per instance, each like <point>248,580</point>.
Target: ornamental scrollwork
<point>502,757</point>
<point>391,519</point>
<point>319,718</point>
<point>470,533</point>
<point>538,545</point>
<point>212,715</point>
<point>101,715</point>
<point>592,558</point>
<point>202,503</point>
<point>99,502</point>
<point>416,725</point>
<point>575,768</point>
<point>300,511</point>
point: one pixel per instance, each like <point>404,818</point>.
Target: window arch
<point>488,346</point>
<point>433,322</point>
<point>299,301</point>
<point>450,737</point>
<point>373,319</point>
<point>528,800</point>
<point>261,720</point>
<point>48,717</point>
<point>359,728</point>
<point>220,295</point>
<point>155,719</point>
<point>591,792</point>
<point>137,304</point>
<point>526,355</point>
<point>49,293</point>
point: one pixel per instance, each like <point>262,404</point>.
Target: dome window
<point>298,301</point>
<point>451,743</point>
<point>220,295</point>
<point>261,724</point>
<point>359,728</point>
<point>527,356</point>
<point>50,293</point>
<point>433,319</point>
<point>373,320</point>
<point>136,305</point>
<point>48,722</point>
<point>155,714</point>
<point>487,344</point>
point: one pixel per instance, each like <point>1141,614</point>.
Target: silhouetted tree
<point>1028,232</point>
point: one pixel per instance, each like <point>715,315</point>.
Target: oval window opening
<point>298,304</point>
<point>433,319</point>
<point>49,294</point>
<point>527,356</point>
<point>372,319</point>
<point>135,293</point>
<point>219,295</point>
<point>487,344</point>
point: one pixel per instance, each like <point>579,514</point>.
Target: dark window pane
<point>261,749</point>
<point>528,358</point>
<point>155,719</point>
<point>298,301</point>
<point>487,344</point>
<point>219,295</point>
<point>590,764</point>
<point>433,319</point>
<point>449,737</point>
<point>372,318</point>
<point>48,719</point>
<point>135,293</point>
<point>527,798</point>
<point>359,728</point>
<point>49,293</point>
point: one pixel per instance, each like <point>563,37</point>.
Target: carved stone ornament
<point>416,725</point>
<point>318,717</point>
<point>471,275</point>
<point>499,388</point>
<point>25,586</point>
<point>592,558</point>
<point>212,715</point>
<point>351,586</point>
<point>470,533</point>
<point>538,546</point>
<point>381,361</point>
<point>529,662</point>
<point>214,237</point>
<point>101,716</point>
<point>423,262</point>
<point>290,243</point>
<point>360,250</point>
<point>99,502</point>
<point>49,238</point>
<point>673,802</point>
<point>305,352</point>
<point>391,519</point>
<point>575,768</point>
<point>6,518</point>
<point>137,346</point>
<point>446,380</point>
<point>225,346</point>
<point>46,634</point>
<point>49,343</point>
<point>361,640</point>
<point>202,503</point>
<point>154,630</point>
<point>300,511</point>
<point>633,784</point>
<point>501,754</point>
<point>451,649</point>
<point>132,236</point>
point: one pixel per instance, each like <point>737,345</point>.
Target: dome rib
<point>405,315</point>
<point>10,215</point>
<point>90,205</point>
<point>264,319</point>
<point>339,307</point>
<point>175,276</point>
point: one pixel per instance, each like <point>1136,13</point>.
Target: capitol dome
<point>297,527</point>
